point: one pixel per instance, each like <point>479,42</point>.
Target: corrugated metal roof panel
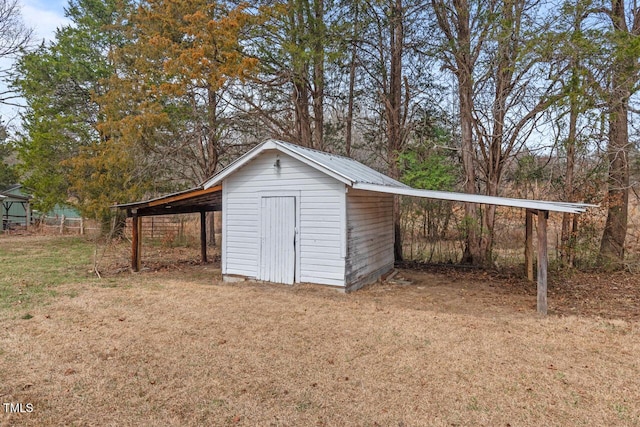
<point>359,176</point>
<point>350,169</point>
<point>342,168</point>
<point>481,199</point>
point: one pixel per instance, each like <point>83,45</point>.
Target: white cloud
<point>44,18</point>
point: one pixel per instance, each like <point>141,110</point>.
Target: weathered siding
<point>369,236</point>
<point>320,200</point>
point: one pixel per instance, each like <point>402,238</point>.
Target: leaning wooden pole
<point>203,236</point>
<point>543,261</point>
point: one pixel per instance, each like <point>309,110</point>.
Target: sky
<point>43,16</point>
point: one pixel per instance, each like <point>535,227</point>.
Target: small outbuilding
<point>293,214</point>
<point>15,207</point>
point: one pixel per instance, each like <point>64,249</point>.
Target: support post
<point>543,261</point>
<point>139,248</point>
<point>27,221</point>
<point>528,244</point>
<point>135,238</point>
<point>203,236</point>
<point>62,219</point>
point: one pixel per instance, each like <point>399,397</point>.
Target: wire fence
<point>65,225</point>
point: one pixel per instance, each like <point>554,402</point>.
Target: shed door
<point>277,238</point>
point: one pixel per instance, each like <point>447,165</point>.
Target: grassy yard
<point>174,346</point>
<point>32,268</point>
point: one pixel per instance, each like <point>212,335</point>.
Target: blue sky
<point>44,16</point>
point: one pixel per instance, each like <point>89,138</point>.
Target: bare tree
<point>465,36</point>
<point>14,38</point>
<point>489,46</point>
<point>625,22</point>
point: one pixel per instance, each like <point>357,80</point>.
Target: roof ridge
<point>278,141</point>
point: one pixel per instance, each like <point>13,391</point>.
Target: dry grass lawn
<point>173,346</point>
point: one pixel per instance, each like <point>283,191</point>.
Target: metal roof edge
<point>272,144</point>
<point>238,163</point>
<point>155,199</point>
<point>349,180</point>
<point>17,197</point>
<point>313,163</point>
<point>479,198</point>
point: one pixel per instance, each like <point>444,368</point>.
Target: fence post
<point>27,220</point>
<point>62,225</point>
<point>82,226</point>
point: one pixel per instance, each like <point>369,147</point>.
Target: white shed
<point>291,214</point>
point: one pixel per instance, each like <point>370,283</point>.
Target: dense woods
<point>515,98</point>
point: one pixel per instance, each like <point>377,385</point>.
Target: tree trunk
<point>494,152</point>
<point>303,119</point>
<point>352,82</point>
<point>487,231</point>
<point>566,242</point>
<point>456,27</point>
<point>472,251</point>
<point>624,75</point>
<point>213,137</point>
<point>318,75</point>
<point>300,79</point>
<point>615,229</point>
<point>393,112</point>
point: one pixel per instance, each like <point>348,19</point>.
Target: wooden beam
<point>175,210</point>
<point>203,236</point>
<point>543,261</point>
<point>528,244</point>
<point>195,193</point>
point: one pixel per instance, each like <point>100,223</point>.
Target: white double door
<point>277,239</point>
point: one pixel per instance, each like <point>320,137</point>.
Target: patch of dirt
<point>467,290</point>
<point>456,289</point>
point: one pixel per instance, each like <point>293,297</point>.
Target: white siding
<point>321,200</point>
<point>369,236</point>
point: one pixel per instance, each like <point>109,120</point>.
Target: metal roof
<point>351,169</point>
<point>359,176</point>
<point>342,168</point>
<point>538,205</point>
<point>15,197</point>
<point>188,201</point>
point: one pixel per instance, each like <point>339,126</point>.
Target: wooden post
<point>27,212</point>
<point>62,224</point>
<point>528,244</point>
<point>139,248</point>
<point>81,225</point>
<point>135,238</point>
<point>203,236</point>
<point>543,261</point>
